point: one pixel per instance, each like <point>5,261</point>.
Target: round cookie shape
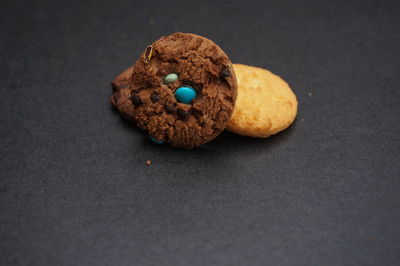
<point>265,104</point>
<point>180,60</point>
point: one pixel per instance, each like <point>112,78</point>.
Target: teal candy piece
<point>185,94</point>
<point>170,78</point>
<point>156,140</point>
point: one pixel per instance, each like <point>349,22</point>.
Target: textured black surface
<point>74,186</point>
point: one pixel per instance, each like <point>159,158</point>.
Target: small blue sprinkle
<point>185,94</point>
<point>156,141</point>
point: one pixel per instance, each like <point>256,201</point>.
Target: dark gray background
<point>74,186</point>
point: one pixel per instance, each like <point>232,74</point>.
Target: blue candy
<point>185,94</point>
<point>156,140</point>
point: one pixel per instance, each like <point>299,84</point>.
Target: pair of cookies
<point>185,91</point>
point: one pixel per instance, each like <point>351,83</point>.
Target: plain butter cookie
<point>265,103</point>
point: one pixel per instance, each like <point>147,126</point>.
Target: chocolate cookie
<point>182,90</point>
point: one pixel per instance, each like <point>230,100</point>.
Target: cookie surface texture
<point>182,90</point>
<point>265,104</point>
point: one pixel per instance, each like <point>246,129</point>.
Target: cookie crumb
<point>302,120</point>
<point>148,162</point>
<point>310,94</point>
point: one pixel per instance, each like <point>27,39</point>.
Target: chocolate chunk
<point>170,109</point>
<point>182,114</point>
<point>136,99</point>
<point>225,73</point>
<point>154,97</point>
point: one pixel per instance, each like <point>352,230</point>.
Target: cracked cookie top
<point>182,90</point>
